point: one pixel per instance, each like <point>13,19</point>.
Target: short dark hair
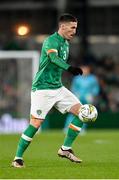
<point>67,18</point>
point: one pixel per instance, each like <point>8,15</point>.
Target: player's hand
<point>75,70</point>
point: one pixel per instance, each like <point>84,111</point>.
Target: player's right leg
<point>39,109</point>
<point>25,141</point>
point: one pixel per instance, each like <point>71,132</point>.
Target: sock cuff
<point>27,138</point>
<point>29,132</point>
<point>74,127</point>
<point>33,127</point>
<point>77,122</point>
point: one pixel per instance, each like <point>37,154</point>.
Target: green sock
<point>25,140</point>
<point>73,131</point>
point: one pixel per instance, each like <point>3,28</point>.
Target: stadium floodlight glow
<point>23,30</point>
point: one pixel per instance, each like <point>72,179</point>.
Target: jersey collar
<point>60,37</point>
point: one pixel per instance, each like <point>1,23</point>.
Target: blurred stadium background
<point>23,26</point>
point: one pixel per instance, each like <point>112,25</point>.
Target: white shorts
<point>43,100</point>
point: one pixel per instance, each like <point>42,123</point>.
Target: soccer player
<point>48,90</point>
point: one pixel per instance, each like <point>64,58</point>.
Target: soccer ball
<point>88,113</point>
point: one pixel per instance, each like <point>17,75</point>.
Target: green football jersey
<point>53,58</point>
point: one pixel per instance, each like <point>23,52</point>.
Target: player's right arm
<point>51,48</point>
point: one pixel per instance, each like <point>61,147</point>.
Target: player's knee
<point>75,109</point>
<point>36,122</point>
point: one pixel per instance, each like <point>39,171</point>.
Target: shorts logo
<point>39,111</point>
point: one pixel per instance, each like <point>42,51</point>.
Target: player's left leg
<point>70,103</point>
<point>67,122</point>
<point>73,131</point>
<point>74,127</point>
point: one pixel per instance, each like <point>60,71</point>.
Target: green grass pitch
<point>99,150</point>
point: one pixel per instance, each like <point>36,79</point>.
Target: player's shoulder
<point>52,37</point>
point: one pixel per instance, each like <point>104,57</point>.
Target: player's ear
<point>63,26</point>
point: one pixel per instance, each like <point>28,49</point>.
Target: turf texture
<point>99,150</point>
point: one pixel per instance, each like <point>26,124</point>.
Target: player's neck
<point>61,34</point>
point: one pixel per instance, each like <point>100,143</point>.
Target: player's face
<point>69,30</point>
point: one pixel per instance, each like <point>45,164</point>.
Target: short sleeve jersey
<point>53,61</point>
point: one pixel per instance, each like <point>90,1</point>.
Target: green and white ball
<point>88,113</point>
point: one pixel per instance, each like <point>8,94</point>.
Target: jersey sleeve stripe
<point>52,50</point>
